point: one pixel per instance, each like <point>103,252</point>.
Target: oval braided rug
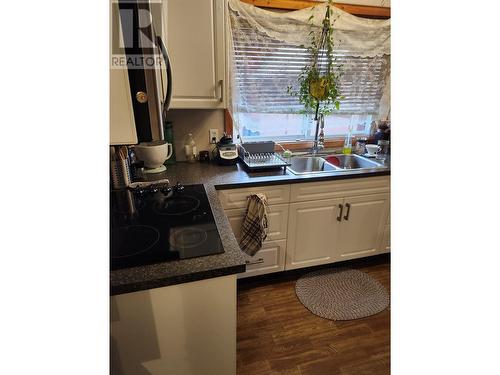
<point>341,294</point>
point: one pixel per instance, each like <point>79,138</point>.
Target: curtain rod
<point>358,10</point>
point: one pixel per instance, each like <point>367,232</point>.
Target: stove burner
<point>176,205</point>
<point>132,240</point>
<point>187,238</point>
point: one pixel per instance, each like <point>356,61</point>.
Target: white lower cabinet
<point>316,223</point>
<point>332,230</point>
<point>312,233</point>
<point>271,257</point>
<point>362,226</point>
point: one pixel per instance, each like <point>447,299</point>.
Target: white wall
<point>198,122</point>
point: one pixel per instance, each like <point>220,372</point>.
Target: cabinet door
<point>312,233</point>
<point>195,40</point>
<point>362,226</point>
<point>277,221</point>
<point>121,114</point>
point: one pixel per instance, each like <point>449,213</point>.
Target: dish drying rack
<point>261,155</point>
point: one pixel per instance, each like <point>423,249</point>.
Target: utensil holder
<point>120,174</point>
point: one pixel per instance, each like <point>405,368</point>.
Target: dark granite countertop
<point>232,261</point>
<point>236,176</point>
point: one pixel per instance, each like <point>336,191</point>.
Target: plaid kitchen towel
<point>254,228</point>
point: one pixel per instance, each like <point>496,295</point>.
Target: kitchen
<point>335,212</point>
<point>247,219</point>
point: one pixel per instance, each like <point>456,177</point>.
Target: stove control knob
<point>138,190</point>
<point>166,190</point>
<point>178,187</point>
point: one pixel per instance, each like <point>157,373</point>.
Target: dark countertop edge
<point>287,179</point>
<point>175,280</point>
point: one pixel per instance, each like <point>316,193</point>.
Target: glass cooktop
<point>162,224</point>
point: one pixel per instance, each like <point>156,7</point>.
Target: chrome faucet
<point>319,135</point>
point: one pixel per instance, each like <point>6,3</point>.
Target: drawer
<point>237,198</point>
<point>271,258</point>
<point>309,191</point>
<point>277,221</point>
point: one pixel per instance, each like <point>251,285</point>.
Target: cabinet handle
<point>348,205</point>
<point>221,84</point>
<point>339,218</point>
<point>258,261</point>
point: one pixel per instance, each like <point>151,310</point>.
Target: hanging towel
<point>254,228</point>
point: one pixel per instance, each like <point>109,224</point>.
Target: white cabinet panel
<point>313,231</point>
<point>277,221</point>
<point>195,35</point>
<point>184,329</point>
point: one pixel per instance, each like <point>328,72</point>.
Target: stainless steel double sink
<point>310,164</point>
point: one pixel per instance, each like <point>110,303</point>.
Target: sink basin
<point>352,162</point>
<point>330,163</point>
<point>310,164</point>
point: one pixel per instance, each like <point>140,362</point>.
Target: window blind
<point>265,67</point>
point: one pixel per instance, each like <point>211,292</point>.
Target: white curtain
<point>361,37</point>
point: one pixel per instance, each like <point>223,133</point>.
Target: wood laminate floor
<point>278,335</point>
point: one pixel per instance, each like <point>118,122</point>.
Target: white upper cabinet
<point>194,31</point>
<point>121,113</point>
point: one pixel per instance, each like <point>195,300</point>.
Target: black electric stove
<point>161,223</point>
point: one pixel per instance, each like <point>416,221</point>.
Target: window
<point>265,67</point>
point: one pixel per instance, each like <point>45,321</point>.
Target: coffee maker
<point>226,151</point>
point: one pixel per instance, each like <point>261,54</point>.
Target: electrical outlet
<point>213,135</point>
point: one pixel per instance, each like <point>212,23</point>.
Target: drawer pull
<point>258,261</point>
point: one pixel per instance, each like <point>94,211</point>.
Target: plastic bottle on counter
<point>190,149</point>
<point>348,142</point>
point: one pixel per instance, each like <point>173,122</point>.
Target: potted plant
<point>318,81</point>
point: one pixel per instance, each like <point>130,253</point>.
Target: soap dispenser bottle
<point>348,142</point>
